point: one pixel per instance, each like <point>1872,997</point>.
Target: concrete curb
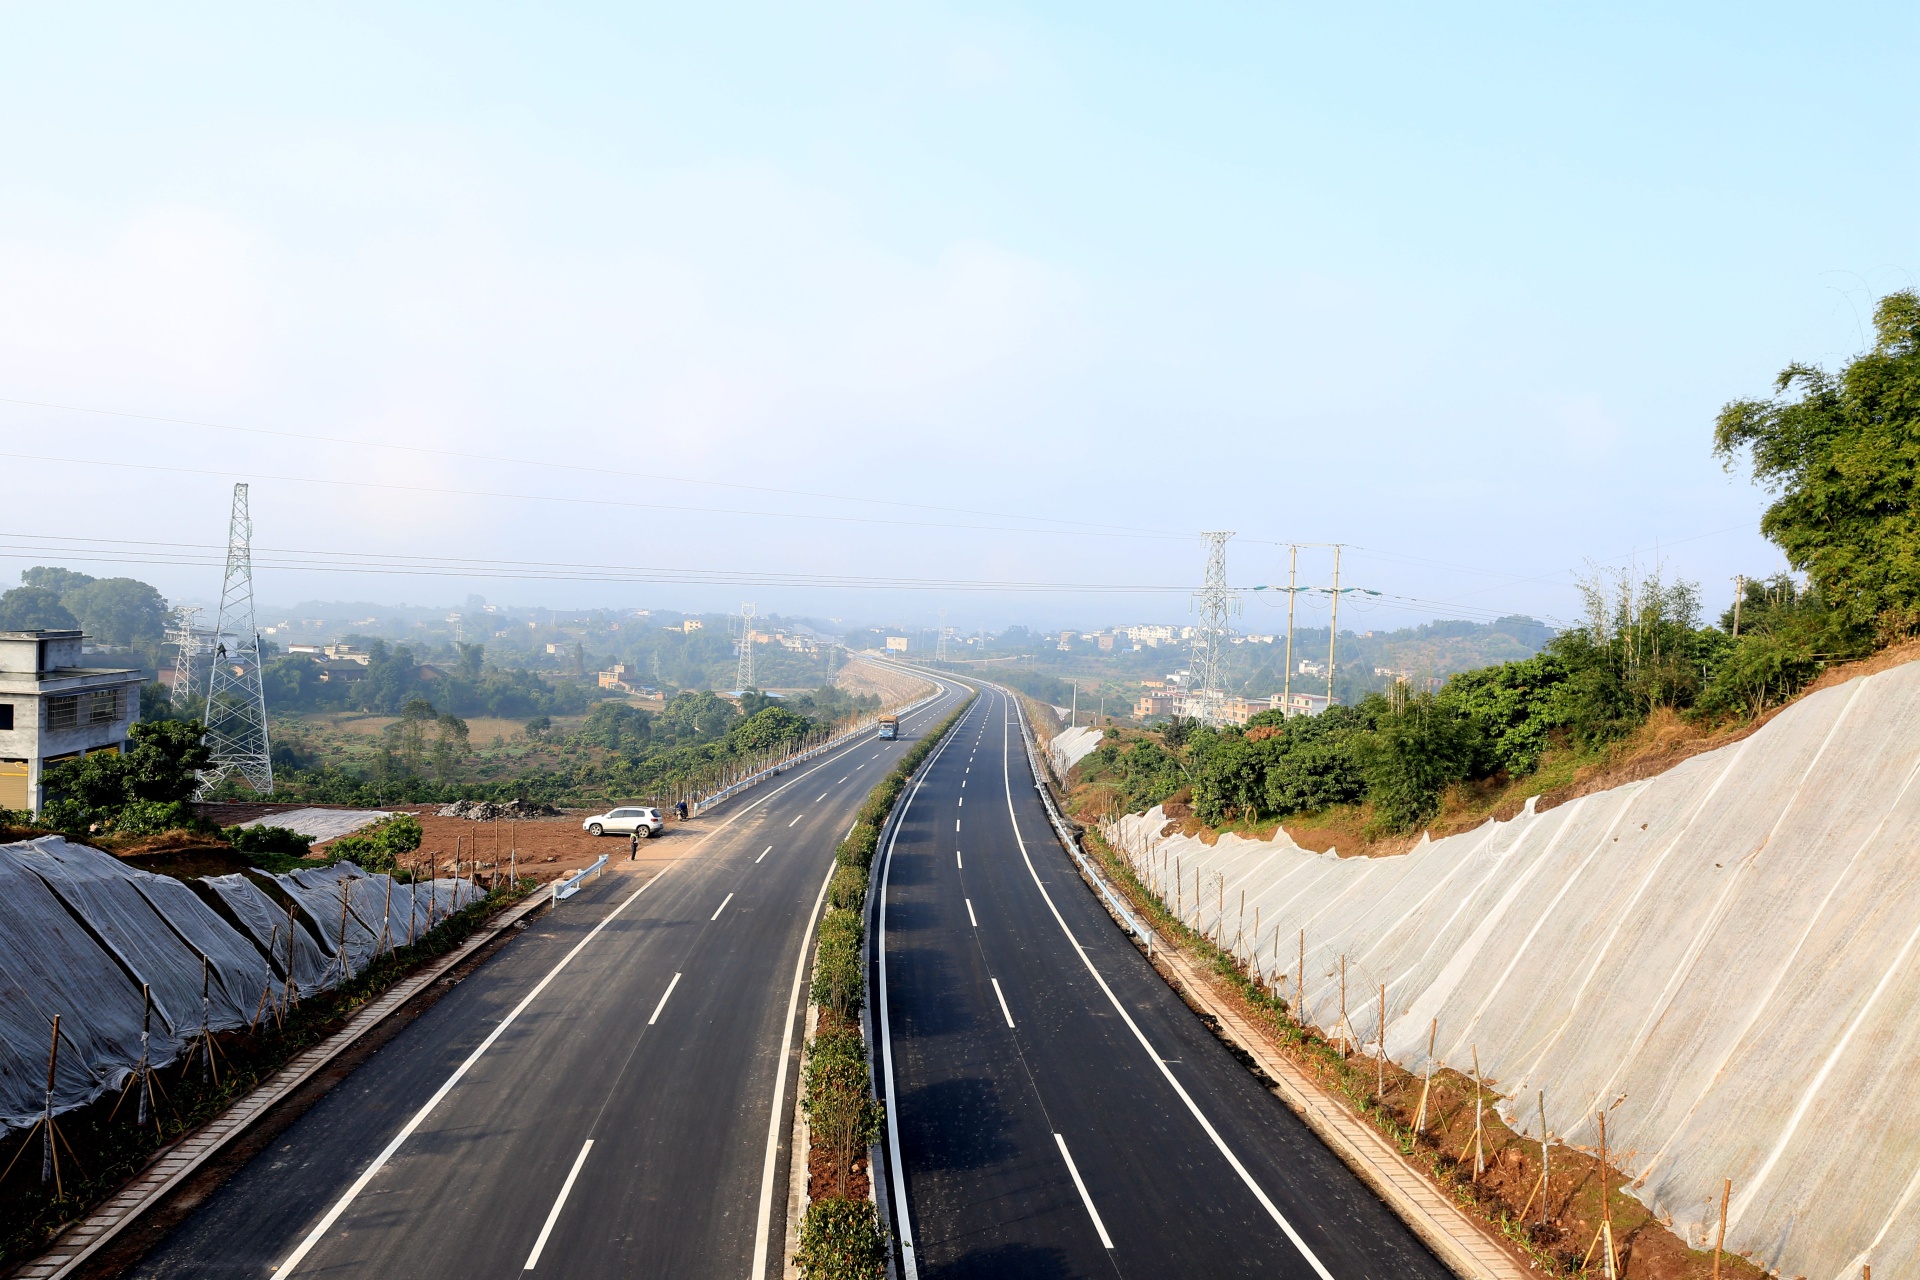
<point>173,1165</point>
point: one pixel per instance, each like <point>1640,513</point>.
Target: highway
<point>1056,1109</point>
<point>611,1095</point>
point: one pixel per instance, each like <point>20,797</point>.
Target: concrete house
<point>53,708</point>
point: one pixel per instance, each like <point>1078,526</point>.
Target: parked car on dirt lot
<point>634,820</point>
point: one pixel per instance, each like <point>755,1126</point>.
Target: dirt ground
<point>548,848</point>
<point>894,687</point>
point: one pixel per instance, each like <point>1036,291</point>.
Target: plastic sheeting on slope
<point>81,930</point>
<point>274,932</point>
<point>1070,747</point>
<point>159,931</point>
<point>50,964</point>
<point>1726,955</point>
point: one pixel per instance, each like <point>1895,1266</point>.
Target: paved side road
<point>1059,1110</point>
<point>597,1100</point>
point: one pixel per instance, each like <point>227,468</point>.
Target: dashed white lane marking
<point>962,804</point>
<point>959,865</point>
<point>973,919</point>
<point>838,783</point>
<point>823,795</point>
<point>1085,1199</point>
<point>956,824</point>
<point>1004,1011</point>
<point>554,1216</point>
<point>663,1000</point>
<point>764,852</point>
<point>796,818</point>
<point>722,907</point>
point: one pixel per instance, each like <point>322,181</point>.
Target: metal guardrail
<point>1072,841</point>
<point>787,762</point>
<point>563,889</point>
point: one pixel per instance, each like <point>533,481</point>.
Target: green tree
<point>450,747</point>
<point>770,728</point>
<point>1842,451</point>
<point>118,611</point>
<point>34,609</point>
<point>58,581</point>
<point>1415,752</point>
<point>144,788</point>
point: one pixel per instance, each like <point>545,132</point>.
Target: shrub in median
<point>841,1240</point>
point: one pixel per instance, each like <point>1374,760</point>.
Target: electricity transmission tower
<point>192,645</point>
<point>1216,603</point>
<point>743,676</point>
<point>940,642</point>
<point>236,702</point>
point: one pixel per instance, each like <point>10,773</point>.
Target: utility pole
<point>1216,603</point>
<point>1739,594</point>
<point>236,701</point>
<point>1333,627</point>
<point>743,674</point>
<point>1286,677</point>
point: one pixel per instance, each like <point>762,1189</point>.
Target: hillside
<point>1722,956</point>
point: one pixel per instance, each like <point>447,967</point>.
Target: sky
<point>871,311</point>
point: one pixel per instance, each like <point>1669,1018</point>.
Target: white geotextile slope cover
<point>1727,956</point>
<point>1072,746</point>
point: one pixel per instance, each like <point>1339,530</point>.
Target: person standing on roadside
<point>633,846</point>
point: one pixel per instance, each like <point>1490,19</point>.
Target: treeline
<point>1842,451</point>
<point>457,683</point>
<point>619,752</point>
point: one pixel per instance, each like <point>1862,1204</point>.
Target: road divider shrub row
<point>841,1237</point>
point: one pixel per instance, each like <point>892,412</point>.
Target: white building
<point>52,709</point>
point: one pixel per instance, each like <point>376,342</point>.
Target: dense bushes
<point>139,791</point>
<point>380,847</point>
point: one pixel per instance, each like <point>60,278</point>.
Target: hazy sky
<point>1461,288</point>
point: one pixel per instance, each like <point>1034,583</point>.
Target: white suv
<point>645,823</point>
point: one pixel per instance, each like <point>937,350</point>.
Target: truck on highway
<point>889,727</point>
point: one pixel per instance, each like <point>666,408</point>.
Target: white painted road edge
<point>566,1187</point>
<point>1220,1143</point>
<point>1106,1240</point>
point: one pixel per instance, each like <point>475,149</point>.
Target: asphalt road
<point>614,1111</point>
<point>1058,1110</point>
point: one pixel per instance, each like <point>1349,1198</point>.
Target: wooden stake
<point>1720,1240</point>
<point>49,1158</point>
<point>1380,1072</point>
<point>1545,1173</point>
<point>1345,1046</point>
<point>1420,1119</point>
<point>1479,1153</point>
<point>1606,1204</point>
<point>1300,985</point>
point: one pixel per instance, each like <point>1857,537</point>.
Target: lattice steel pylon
<point>743,678</point>
<point>236,702</point>
<point>1216,603</point>
<point>940,642</point>
<point>191,647</point>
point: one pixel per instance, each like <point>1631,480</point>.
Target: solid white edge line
<point>763,1223</point>
<point>663,1001</point>
<point>1085,1199</point>
<point>763,853</point>
<point>722,907</point>
<point>902,1219</point>
<point>553,1215</point>
<point>971,918</point>
<point>379,1162</point>
<point>1220,1143</point>
<point>1001,996</point>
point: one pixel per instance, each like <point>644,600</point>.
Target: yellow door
<point>13,784</point>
